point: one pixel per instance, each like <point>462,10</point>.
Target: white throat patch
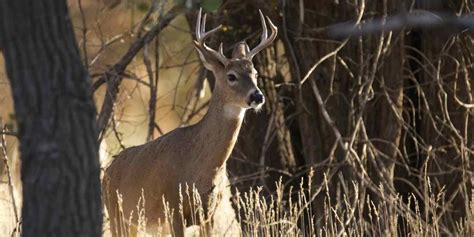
<point>233,112</point>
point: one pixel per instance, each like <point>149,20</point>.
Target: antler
<point>265,40</point>
<point>202,35</point>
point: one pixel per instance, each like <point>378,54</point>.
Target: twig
<point>103,46</point>
<point>181,73</point>
<point>157,77</point>
<point>117,134</point>
<point>10,184</point>
<point>153,86</point>
<point>159,129</point>
<point>113,76</point>
<point>266,143</point>
<point>84,32</point>
<point>196,94</point>
<point>294,59</point>
<point>419,19</point>
<point>196,111</point>
<point>9,133</point>
<point>180,65</point>
<point>153,7</point>
<point>321,60</point>
<point>125,76</point>
<point>326,115</point>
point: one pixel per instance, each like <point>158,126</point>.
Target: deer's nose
<point>256,98</point>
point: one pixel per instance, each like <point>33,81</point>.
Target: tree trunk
<point>56,119</point>
<point>361,88</point>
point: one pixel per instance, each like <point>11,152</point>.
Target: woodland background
<point>380,116</point>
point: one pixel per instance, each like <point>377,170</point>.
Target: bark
<point>318,141</point>
<point>382,117</point>
<point>56,119</point>
<point>360,83</point>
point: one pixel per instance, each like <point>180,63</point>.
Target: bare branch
<point>10,183</point>
<point>153,90</point>
<point>113,76</point>
<point>8,133</point>
<point>84,33</point>
<point>419,19</point>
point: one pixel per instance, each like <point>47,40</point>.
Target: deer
<point>196,154</point>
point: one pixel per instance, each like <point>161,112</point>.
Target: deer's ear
<point>210,61</point>
<point>241,50</point>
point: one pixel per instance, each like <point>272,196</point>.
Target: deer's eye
<point>231,78</point>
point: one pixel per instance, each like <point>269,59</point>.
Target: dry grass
<point>7,216</point>
<point>290,212</point>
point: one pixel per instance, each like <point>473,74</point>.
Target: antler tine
<point>201,33</point>
<point>265,40</point>
<point>203,24</point>
<point>264,26</point>
<point>201,36</point>
<point>198,25</point>
<point>221,48</point>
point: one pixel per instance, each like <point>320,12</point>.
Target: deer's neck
<point>218,131</point>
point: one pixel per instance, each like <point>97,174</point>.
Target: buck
<point>195,155</point>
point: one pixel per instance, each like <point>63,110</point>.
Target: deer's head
<point>236,78</point>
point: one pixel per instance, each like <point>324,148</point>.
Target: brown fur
<point>194,155</point>
<point>191,155</point>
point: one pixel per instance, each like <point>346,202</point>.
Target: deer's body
<point>160,166</point>
<point>194,155</point>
